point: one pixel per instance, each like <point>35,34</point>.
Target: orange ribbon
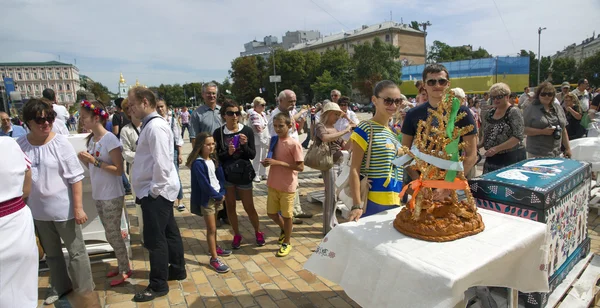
<point>420,183</point>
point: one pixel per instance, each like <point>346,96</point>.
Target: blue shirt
<point>202,191</point>
<point>16,131</point>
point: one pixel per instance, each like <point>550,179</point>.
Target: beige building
<point>31,78</point>
<point>587,48</point>
<point>410,41</point>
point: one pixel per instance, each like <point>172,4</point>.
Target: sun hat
<point>565,85</point>
<point>331,107</point>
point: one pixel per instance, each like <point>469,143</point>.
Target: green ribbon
<point>452,147</point>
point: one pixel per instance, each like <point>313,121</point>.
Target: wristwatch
<point>356,207</point>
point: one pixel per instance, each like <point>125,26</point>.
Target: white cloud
<point>187,40</point>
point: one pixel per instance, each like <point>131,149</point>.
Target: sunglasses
<point>544,94</point>
<point>343,104</point>
<point>498,97</point>
<point>392,101</point>
<point>432,82</point>
<point>232,113</point>
<point>40,120</point>
<point>263,105</point>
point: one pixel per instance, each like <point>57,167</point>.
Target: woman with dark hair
<point>385,178</point>
<point>545,125</point>
<point>56,201</point>
<point>105,163</point>
<point>235,150</point>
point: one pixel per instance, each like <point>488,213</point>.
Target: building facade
<point>292,38</point>
<point>410,41</point>
<point>255,47</point>
<point>31,78</point>
<point>586,49</point>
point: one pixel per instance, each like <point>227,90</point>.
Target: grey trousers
<point>329,206</point>
<point>79,275</point>
<point>111,212</point>
<point>297,208</point>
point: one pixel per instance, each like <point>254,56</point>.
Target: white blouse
<point>54,168</point>
<point>13,164</point>
<point>129,138</point>
<point>105,185</point>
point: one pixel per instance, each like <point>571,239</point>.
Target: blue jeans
<point>126,184</point>
<point>180,195</point>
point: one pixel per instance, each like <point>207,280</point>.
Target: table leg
<point>513,298</point>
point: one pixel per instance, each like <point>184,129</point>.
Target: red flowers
<point>96,110</point>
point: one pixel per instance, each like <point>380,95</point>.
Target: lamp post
<point>540,29</point>
<point>424,25</point>
<point>274,71</point>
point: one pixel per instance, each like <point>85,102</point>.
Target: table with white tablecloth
<point>378,266</point>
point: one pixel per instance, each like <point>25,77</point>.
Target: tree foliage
<point>442,52</point>
<point>375,62</point>
<point>590,69</point>
<point>325,83</point>
<point>246,78</point>
<point>415,25</point>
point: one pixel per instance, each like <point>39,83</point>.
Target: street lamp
<point>540,29</point>
<point>424,25</point>
<point>274,71</point>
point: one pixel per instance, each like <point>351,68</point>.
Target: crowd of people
<point>233,149</point>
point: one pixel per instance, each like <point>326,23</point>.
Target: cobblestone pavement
<point>258,278</point>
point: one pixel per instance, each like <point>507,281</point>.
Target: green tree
<point>100,92</point>
<point>590,69</point>
<point>533,65</point>
<point>312,66</point>
<point>442,52</point>
<point>338,62</point>
<point>325,83</point>
<point>245,75</point>
<point>415,25</point>
<point>564,69</point>
<point>290,65</point>
<point>375,62</point>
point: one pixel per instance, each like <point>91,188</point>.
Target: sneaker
<point>51,297</point>
<point>304,215</point>
<point>181,207</point>
<point>256,179</point>
<point>297,221</point>
<point>237,241</point>
<point>219,266</point>
<point>260,239</point>
<point>223,252</point>
<point>264,177</point>
<point>281,237</point>
<point>284,250</point>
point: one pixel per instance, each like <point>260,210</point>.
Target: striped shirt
<point>386,178</point>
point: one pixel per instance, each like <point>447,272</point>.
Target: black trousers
<point>163,241</point>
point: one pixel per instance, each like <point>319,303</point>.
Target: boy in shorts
<point>286,162</point>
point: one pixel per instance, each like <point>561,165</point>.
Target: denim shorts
<point>242,187</point>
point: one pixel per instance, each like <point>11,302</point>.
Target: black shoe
<point>128,192</point>
<point>226,220</point>
<point>181,276</point>
<point>297,221</point>
<point>147,295</point>
<point>304,215</point>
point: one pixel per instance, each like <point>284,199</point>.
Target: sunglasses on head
<point>432,82</point>
<point>392,101</point>
<point>42,120</point>
<point>544,94</point>
<point>232,113</point>
<point>498,97</point>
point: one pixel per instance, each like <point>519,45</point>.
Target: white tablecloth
<point>378,266</point>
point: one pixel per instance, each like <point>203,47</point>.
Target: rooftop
<point>49,63</point>
<point>388,25</point>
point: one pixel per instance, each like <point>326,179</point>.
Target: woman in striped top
<point>384,177</point>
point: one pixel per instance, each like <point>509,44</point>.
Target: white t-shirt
<point>60,127</point>
<point>292,132</point>
<point>61,112</point>
<point>343,123</point>
<point>54,168</point>
<point>13,164</point>
<point>212,174</point>
<point>105,186</point>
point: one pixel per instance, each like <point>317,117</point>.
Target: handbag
<point>240,172</point>
<point>319,156</point>
<point>343,185</point>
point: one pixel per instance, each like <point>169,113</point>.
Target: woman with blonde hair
<point>258,122</point>
<point>325,131</point>
<point>502,131</point>
<point>574,113</point>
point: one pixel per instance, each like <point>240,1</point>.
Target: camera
<point>557,132</point>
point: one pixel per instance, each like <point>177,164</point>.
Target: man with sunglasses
<point>582,94</point>
<point>8,129</point>
<point>436,81</point>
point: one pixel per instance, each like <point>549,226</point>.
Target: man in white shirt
<point>287,103</point>
<point>155,182</point>
<point>582,94</point>
<point>349,118</point>
<point>62,115</point>
<point>161,107</point>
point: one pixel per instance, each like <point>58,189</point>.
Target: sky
<point>182,41</point>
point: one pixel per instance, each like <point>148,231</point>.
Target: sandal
<point>112,273</point>
<point>121,280</point>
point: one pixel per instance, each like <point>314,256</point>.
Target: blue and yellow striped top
<point>386,178</point>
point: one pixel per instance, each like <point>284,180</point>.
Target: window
<point>62,98</point>
<point>28,88</point>
<point>69,97</point>
<point>35,76</point>
<point>68,87</point>
<point>387,37</point>
<point>49,75</point>
<point>37,87</point>
<point>11,75</point>
<point>60,87</point>
<point>43,75</point>
<point>66,75</point>
<point>20,76</point>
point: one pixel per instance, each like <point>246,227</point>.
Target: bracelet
<point>356,207</point>
<point>97,163</point>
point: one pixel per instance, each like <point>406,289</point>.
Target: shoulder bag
<point>240,172</point>
<point>319,156</point>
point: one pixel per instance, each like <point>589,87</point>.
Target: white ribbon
<point>436,161</point>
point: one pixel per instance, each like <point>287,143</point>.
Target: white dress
<point>18,251</point>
